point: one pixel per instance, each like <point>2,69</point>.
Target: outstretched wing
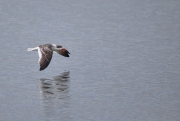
<point>45,56</point>
<point>63,52</point>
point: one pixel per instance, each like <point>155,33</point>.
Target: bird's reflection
<point>55,96</point>
<point>57,87</point>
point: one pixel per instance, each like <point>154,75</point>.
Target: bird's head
<point>58,46</point>
<point>61,50</point>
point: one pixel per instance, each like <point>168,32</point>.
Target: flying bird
<point>45,53</point>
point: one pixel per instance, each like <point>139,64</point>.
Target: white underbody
<point>53,48</point>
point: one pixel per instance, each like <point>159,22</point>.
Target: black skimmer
<point>45,53</point>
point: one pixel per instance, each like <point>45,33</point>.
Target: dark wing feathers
<point>46,56</point>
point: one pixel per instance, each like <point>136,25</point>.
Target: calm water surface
<point>124,63</point>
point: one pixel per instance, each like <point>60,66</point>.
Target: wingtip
<point>40,69</point>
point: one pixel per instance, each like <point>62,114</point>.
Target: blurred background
<point>124,63</point>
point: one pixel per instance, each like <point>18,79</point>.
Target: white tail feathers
<point>32,49</point>
<point>29,49</point>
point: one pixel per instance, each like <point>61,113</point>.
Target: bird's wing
<point>45,56</point>
<point>63,52</point>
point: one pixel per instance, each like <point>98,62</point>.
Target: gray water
<point>124,63</point>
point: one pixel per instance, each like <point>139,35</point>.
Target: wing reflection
<point>57,87</point>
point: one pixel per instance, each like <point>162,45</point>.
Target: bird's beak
<point>65,52</point>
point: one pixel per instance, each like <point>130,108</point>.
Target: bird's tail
<point>32,49</point>
<point>29,49</point>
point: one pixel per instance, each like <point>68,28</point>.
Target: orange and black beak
<point>64,52</point>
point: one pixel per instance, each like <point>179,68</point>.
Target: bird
<point>45,53</point>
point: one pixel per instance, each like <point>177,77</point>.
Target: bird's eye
<point>59,46</point>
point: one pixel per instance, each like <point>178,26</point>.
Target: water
<point>124,63</point>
